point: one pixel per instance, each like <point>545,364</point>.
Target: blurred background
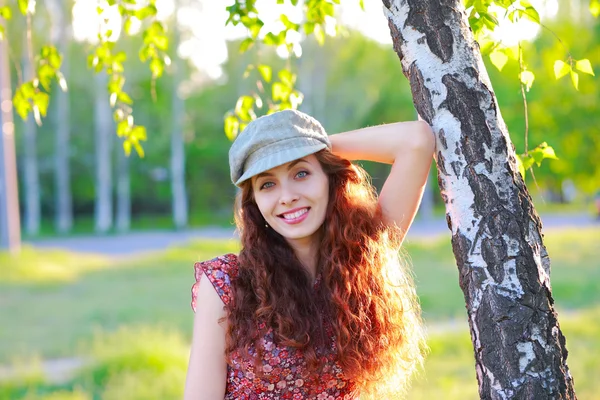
<point>96,304</point>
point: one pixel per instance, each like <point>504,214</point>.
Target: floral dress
<point>285,374</point>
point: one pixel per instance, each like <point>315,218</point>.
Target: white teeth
<point>296,214</point>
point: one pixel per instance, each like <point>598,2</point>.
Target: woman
<point>316,305</point>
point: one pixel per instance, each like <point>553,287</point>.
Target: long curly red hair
<point>366,293</point>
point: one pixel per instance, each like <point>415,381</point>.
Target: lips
<point>294,216</point>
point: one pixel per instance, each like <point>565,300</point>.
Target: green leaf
<point>309,27</point>
<point>244,108</point>
<point>5,12</point>
<point>255,28</point>
<point>542,152</point>
<point>124,98</point>
<point>41,100</point>
<point>127,147</point>
<point>529,12</point>
<point>287,77</point>
<point>561,68</point>
<point>246,44</point>
<point>575,79</point>
<point>138,133</point>
<point>289,24</point>
<point>21,103</point>
<point>45,74</point>
<point>595,8</point>
<point>23,6</point>
<point>271,39</point>
<point>499,59</point>
<point>527,78</point>
<point>145,12</point>
<point>584,66</point>
<point>138,149</point>
<point>520,166</point>
<point>319,34</point>
<point>280,92</point>
<point>232,126</point>
<point>157,66</point>
<point>123,128</point>
<point>266,72</point>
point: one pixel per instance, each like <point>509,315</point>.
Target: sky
<point>203,21</point>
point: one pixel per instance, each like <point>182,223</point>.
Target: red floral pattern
<point>285,374</point>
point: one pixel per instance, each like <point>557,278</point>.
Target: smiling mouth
<point>294,215</point>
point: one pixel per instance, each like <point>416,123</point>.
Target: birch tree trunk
<point>103,137</point>
<point>179,203</point>
<point>62,171</point>
<point>123,222</point>
<point>503,265</point>
<point>10,224</point>
<point>30,164</point>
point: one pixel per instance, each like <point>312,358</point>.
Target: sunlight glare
<point>87,23</point>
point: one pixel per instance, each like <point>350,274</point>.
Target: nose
<point>288,195</point>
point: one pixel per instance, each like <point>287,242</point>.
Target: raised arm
<point>207,368</point>
<point>409,147</point>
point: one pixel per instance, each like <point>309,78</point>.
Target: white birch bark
<point>61,25</point>
<point>30,162</point>
<point>123,222</point>
<point>179,202</point>
<point>103,138</point>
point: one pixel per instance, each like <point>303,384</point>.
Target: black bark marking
<point>494,253</point>
<point>462,102</point>
<point>386,3</point>
<point>441,163</point>
<point>455,167</point>
<point>484,192</point>
<point>421,95</point>
<point>442,136</point>
<point>429,17</point>
<point>397,39</point>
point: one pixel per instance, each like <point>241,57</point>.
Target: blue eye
<point>266,185</point>
<point>302,174</point>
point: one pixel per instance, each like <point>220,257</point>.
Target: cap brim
<point>280,158</point>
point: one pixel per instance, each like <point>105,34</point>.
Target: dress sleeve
<point>219,271</point>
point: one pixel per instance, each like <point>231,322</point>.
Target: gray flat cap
<point>273,140</point>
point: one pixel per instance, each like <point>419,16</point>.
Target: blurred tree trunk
<point>123,192</point>
<point>10,225</point>
<point>30,162</point>
<point>312,68</point>
<point>103,137</point>
<point>179,201</point>
<point>60,12</point>
<point>504,268</point>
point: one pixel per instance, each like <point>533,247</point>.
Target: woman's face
<point>293,199</point>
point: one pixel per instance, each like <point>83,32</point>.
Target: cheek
<point>264,205</point>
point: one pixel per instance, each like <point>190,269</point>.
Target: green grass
<point>129,314</point>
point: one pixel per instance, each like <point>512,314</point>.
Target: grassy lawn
<point>132,318</point>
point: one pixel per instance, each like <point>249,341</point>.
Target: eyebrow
<point>290,166</point>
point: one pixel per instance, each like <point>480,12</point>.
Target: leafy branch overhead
<point>274,90</point>
<point>33,95</point>
<point>487,15</point>
<point>280,93</point>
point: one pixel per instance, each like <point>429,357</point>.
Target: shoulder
<point>225,266</point>
<point>220,271</point>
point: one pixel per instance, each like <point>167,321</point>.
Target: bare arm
<point>207,368</point>
<point>409,147</point>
